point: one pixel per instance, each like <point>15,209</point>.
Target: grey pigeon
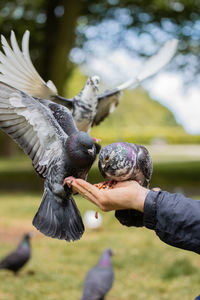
<point>126,161</point>
<point>19,257</point>
<point>99,279</point>
<point>47,134</point>
<point>88,107</point>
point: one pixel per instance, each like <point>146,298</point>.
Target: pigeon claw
<point>68,181</point>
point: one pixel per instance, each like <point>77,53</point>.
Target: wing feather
<point>18,71</point>
<point>107,103</point>
<point>32,126</point>
<point>153,65</point>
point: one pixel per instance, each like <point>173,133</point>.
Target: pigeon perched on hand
<point>99,279</point>
<point>19,257</point>
<point>47,134</point>
<point>88,108</point>
<point>126,161</point>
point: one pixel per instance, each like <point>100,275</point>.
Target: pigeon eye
<point>84,145</point>
<point>107,157</point>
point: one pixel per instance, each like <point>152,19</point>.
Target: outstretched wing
<point>153,65</point>
<point>62,115</point>
<point>32,126</point>
<point>18,71</point>
<point>107,102</point>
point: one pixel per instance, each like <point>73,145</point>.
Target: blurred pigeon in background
<point>126,161</point>
<point>99,279</point>
<point>47,134</point>
<point>19,257</point>
<point>88,108</point>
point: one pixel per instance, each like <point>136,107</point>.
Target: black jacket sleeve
<point>175,219</point>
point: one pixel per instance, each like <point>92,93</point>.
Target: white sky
<point>185,104</point>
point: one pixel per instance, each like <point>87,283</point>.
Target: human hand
<point>123,195</point>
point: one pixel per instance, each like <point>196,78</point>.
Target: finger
<point>156,189</point>
<point>87,190</point>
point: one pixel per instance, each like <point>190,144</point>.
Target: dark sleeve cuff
<point>150,209</point>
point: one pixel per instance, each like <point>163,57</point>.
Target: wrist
<point>138,201</point>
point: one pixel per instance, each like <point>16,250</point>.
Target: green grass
<point>145,267</point>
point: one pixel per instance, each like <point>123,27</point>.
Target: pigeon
<point>99,279</point>
<point>47,133</point>
<point>88,107</point>
<point>126,161</point>
<point>19,257</point>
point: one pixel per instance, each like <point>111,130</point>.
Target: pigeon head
<point>116,161</point>
<point>28,236</point>
<point>105,260</point>
<point>81,148</point>
<point>26,240</point>
<point>94,81</point>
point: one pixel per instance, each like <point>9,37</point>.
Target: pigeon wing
<point>32,126</point>
<point>145,164</point>
<point>62,115</point>
<point>108,101</point>
<point>153,65</point>
<point>18,71</point>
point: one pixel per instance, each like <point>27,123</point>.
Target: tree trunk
<point>8,147</point>
<point>56,61</point>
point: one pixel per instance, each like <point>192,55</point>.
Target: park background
<point>69,41</point>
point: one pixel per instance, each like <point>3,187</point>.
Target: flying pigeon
<point>47,134</point>
<point>126,161</point>
<point>19,257</point>
<point>88,108</point>
<point>99,279</point>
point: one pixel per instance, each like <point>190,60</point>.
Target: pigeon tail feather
<point>57,219</point>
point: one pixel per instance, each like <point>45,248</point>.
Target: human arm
<point>174,218</point>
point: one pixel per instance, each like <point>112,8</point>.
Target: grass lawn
<point>145,268</point>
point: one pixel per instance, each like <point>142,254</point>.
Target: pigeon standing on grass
<point>47,134</point>
<point>99,279</point>
<point>126,161</point>
<point>19,257</point>
<point>88,108</point>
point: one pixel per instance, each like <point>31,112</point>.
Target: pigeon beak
<point>91,151</point>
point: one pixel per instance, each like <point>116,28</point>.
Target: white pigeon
<point>88,107</point>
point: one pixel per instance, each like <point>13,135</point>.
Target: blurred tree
<point>59,25</point>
